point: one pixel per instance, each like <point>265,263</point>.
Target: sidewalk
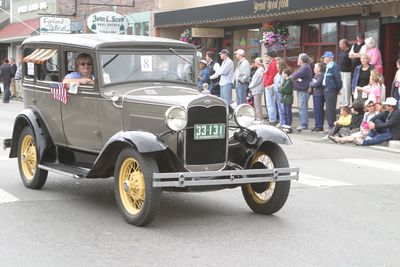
<point>392,146</point>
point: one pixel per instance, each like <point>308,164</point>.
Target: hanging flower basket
<point>186,36</point>
<point>274,34</point>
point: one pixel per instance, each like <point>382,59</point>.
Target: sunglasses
<point>370,106</point>
<point>85,64</point>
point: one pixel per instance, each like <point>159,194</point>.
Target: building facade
<point>20,19</point>
<point>314,26</point>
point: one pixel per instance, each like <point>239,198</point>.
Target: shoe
<point>358,142</point>
<point>318,129</point>
<point>278,125</point>
<point>300,128</point>
<point>272,123</point>
<point>326,138</point>
<point>334,138</point>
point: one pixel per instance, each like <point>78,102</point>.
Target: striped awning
<point>40,55</point>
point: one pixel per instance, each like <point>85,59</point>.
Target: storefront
<point>313,26</point>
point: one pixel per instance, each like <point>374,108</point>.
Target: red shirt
<point>269,75</point>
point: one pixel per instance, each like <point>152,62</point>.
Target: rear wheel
<point>136,198</point>
<point>267,198</point>
<point>28,161</point>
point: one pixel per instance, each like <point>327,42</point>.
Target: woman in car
<point>84,70</point>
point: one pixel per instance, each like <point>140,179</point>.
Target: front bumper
<point>225,177</point>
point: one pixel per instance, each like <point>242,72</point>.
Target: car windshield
<point>125,67</point>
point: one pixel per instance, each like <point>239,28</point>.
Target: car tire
<point>136,198</point>
<point>28,160</point>
<point>267,198</point>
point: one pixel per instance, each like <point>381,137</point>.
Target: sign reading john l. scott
<point>53,24</point>
<point>107,22</point>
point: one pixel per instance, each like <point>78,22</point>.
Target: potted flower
<point>274,34</point>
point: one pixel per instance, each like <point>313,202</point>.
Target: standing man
<point>355,51</point>
<point>333,84</point>
<point>6,73</point>
<point>226,76</point>
<point>13,89</point>
<point>268,81</point>
<point>242,77</point>
<point>213,67</point>
<point>301,82</point>
<point>345,66</point>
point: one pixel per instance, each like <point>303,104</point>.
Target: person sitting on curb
<point>342,125</point>
<point>364,127</point>
<point>384,126</point>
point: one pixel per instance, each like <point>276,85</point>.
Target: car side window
<point>49,70</point>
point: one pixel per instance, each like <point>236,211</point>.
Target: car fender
<point>28,117</point>
<point>269,133</point>
<point>143,142</point>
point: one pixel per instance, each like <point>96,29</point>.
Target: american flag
<point>59,92</point>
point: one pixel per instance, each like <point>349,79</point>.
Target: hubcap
<point>28,157</point>
<point>132,186</point>
<point>261,192</point>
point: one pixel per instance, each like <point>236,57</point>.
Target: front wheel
<point>267,198</point>
<point>28,161</point>
<point>136,198</point>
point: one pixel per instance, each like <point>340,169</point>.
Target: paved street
<point>344,211</point>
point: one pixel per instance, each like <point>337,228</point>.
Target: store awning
<point>16,32</point>
<point>40,55</point>
<point>249,10</point>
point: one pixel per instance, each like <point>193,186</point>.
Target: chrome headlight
<point>176,118</point>
<point>244,115</point>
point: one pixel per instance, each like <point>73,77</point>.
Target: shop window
<point>329,32</point>
<point>293,46</point>
<point>312,33</point>
<point>371,28</point>
<point>348,30</point>
<point>248,40</point>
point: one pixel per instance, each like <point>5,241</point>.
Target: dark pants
<point>377,138</point>
<point>319,110</point>
<point>288,114</point>
<point>330,102</point>
<point>6,97</point>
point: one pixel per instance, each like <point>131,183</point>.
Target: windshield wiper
<point>111,60</point>
<point>179,55</point>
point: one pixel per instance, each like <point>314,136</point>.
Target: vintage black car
<point>144,123</point>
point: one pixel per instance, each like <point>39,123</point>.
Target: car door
<point>41,69</point>
<point>81,113</point>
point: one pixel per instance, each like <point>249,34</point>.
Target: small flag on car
<point>59,91</point>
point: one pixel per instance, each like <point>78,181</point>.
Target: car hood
<point>168,95</point>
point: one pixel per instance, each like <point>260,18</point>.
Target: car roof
<point>95,41</point>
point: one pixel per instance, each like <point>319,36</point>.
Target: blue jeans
<point>226,92</point>
<point>377,138</point>
<point>281,108</point>
<point>270,104</point>
<point>288,114</point>
<point>319,110</point>
<point>6,88</point>
<point>241,93</point>
<point>302,99</point>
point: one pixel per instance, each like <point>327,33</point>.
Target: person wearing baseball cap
<point>332,83</point>
<point>225,72</point>
<point>242,77</point>
<point>385,126</point>
<point>204,75</point>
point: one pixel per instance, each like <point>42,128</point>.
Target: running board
<point>68,170</point>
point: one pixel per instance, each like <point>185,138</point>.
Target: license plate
<point>209,131</point>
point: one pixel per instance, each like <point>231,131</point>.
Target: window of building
<point>248,40</point>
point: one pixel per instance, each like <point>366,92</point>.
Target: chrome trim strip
<point>146,117</point>
<point>236,177</point>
